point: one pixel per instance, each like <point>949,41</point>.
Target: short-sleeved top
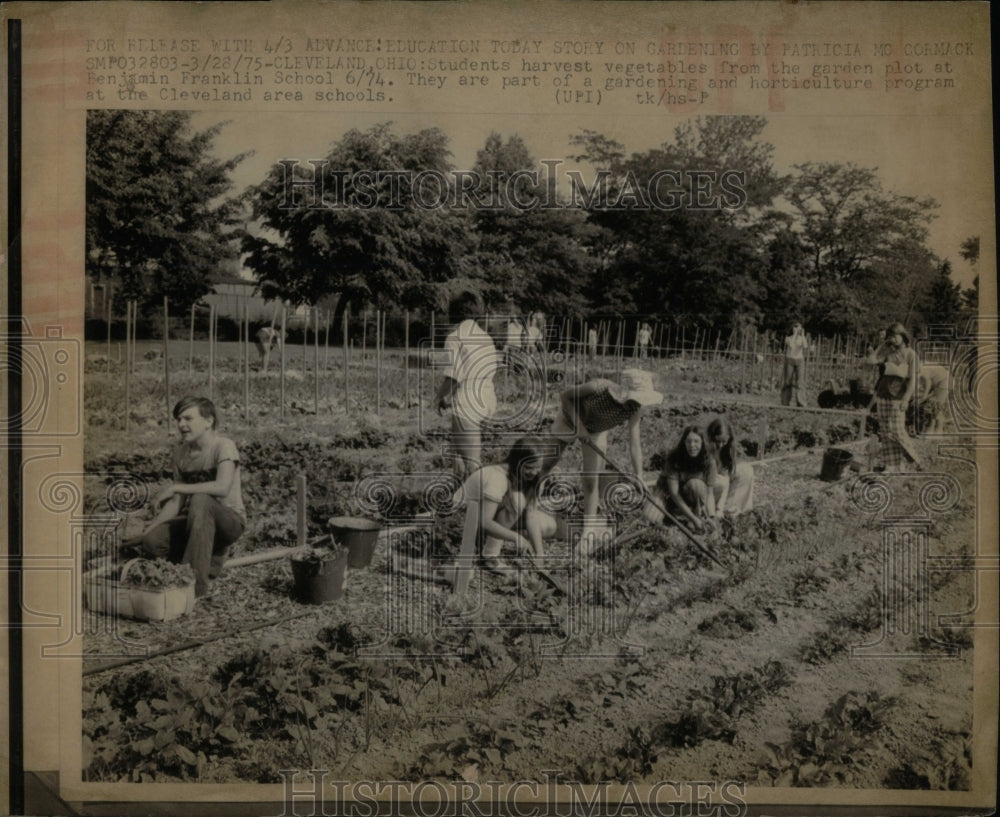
<point>491,482</point>
<point>600,411</point>
<point>644,336</point>
<point>684,477</point>
<point>934,382</point>
<point>192,466</point>
<point>472,355</point>
<point>795,346</point>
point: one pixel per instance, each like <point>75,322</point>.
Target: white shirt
<point>472,355</point>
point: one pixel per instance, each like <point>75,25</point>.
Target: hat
<point>637,384</point>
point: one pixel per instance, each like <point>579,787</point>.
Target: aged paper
<point>903,89</point>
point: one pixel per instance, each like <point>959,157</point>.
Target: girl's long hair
<point>524,450</point>
<point>720,427</point>
<point>679,459</point>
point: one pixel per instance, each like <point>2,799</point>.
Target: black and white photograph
<point>595,416</point>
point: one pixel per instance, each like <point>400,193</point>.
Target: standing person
<point>514,341</point>
<point>467,386</point>
<point>534,338</point>
<point>733,484</point>
<point>592,343</point>
<point>201,512</point>
<point>590,410</point>
<point>684,483</point>
<point>932,396</point>
<point>267,338</point>
<point>645,336</point>
<point>793,379</point>
<point>893,392</point>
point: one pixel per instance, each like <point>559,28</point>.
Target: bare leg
<point>468,440</point>
<point>593,464</point>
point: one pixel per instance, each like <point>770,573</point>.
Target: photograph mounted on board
<point>508,410</point>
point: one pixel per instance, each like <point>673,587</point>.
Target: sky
<point>918,156</point>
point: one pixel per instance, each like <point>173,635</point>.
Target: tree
<point>531,251</point>
<point>970,296</point>
<point>371,222</point>
<point>684,222</point>
<point>848,223</point>
<point>157,219</point>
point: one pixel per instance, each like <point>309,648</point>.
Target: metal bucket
<point>317,582</point>
<point>835,460</point>
<point>358,535</point>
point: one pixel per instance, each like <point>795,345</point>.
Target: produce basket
<point>106,594</point>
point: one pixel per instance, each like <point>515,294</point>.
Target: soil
<point>656,664</point>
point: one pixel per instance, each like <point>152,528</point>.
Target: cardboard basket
<point>114,597</point>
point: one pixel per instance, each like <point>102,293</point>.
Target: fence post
<point>128,365</point>
<point>107,308</point>
<point>281,379</point>
<point>378,362</point>
<point>246,357</point>
<point>406,358</point>
<point>347,356</point>
<point>166,354</point>
<point>316,360</point>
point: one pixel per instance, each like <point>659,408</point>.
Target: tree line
<point>726,241</point>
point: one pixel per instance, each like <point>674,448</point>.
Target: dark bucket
<point>319,582</point>
<point>358,535</point>
<point>835,460</point>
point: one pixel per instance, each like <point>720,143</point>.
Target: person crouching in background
<point>733,486</point>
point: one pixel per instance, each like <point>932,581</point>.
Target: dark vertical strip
<point>15,526</point>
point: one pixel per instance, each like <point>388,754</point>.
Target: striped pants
<point>897,446</point>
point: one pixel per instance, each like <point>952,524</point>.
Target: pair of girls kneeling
<point>703,479</point>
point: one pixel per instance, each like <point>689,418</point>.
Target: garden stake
<point>347,359</point>
<point>166,355</point>
<point>378,362</point>
<point>108,310</point>
<point>281,387</point>
<point>648,496</point>
<point>246,357</point>
<point>211,352</point>
<point>128,367</point>
<point>300,509</point>
<point>406,358</point>
<point>315,361</point>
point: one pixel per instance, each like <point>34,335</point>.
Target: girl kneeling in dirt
<point>683,486</point>
<point>733,486</point>
<point>592,409</point>
<point>501,505</point>
<point>201,512</point>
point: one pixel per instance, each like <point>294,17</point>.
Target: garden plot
<point>656,664</point>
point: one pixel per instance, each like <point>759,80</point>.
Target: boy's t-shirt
<point>192,466</point>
